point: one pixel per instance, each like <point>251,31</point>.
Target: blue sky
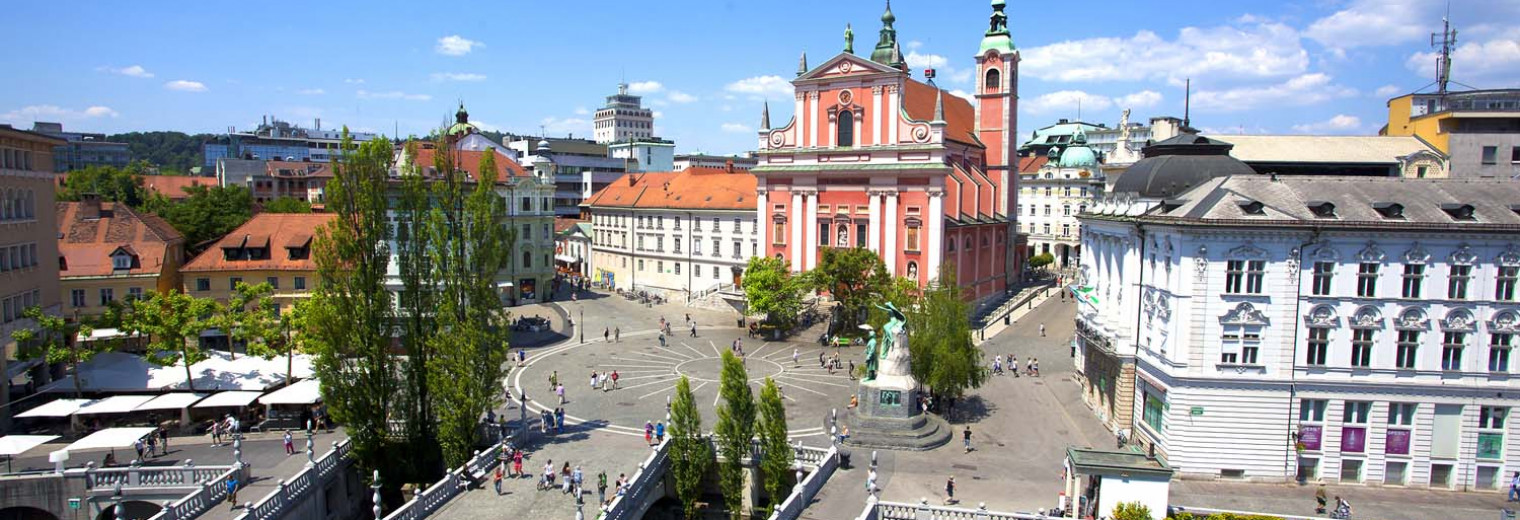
<point>1312,66</point>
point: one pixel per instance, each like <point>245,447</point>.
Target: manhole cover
<point>966,467</point>
<point>625,404</point>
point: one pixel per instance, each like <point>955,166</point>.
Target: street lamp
<point>580,323</point>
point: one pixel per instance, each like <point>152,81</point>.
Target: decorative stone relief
<point>1367,317</point>
<point>1416,254</point>
<point>1412,319</point>
<point>1510,256</point>
<point>1244,314</point>
<point>1458,320</point>
<point>1201,263</point>
<point>1463,255</point>
<point>1293,260</point>
<point>1371,253</point>
<point>1164,307</point>
<point>1326,253</point>
<point>1322,316</point>
<point>1248,250</point>
<point>1505,321</point>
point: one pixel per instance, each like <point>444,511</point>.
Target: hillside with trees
<point>173,153</point>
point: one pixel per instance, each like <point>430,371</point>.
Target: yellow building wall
<point>220,285</point>
<point>120,286</point>
<point>1426,127</point>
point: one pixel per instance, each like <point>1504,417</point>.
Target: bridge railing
<point>292,491</point>
<point>137,476</point>
<point>627,506</point>
<point>206,496</point>
<point>875,510</point>
<point>452,484</point>
<point>824,462</point>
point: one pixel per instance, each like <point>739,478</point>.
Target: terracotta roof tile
<point>692,188</point>
<point>86,245</point>
<point>563,223</point>
<point>277,231</point>
<point>173,186</point>
<point>960,117</point>
<point>1032,164</point>
<point>469,161</point>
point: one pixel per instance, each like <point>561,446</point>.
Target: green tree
<point>1041,260</point>
<point>1131,511</point>
<point>690,453</point>
<point>772,290</point>
<point>250,318</point>
<point>54,342</point>
<point>468,245</point>
<point>172,322</point>
<point>902,292</point>
<point>735,430</point>
<point>350,322</point>
<point>943,355</point>
<point>208,212</point>
<point>292,322</point>
<point>124,185</point>
<point>287,205</point>
<point>776,454</point>
<point>416,313</point>
<point>170,152</point>
<point>854,276</point>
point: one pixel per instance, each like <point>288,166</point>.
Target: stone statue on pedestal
<point>889,415</point>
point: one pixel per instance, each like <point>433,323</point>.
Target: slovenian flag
<point>1085,294</point>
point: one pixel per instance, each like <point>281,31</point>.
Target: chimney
<point>729,166</point>
<point>632,179</point>
<point>89,206</point>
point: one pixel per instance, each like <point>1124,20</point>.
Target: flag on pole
<point>1085,294</point>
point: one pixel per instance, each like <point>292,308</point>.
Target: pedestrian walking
<point>232,489</point>
<point>967,437</point>
<point>601,487</point>
<point>606,334</point>
<point>649,433</point>
<point>1034,366</point>
<point>163,436</point>
<point>1013,365</point>
<point>662,338</point>
<point>152,444</point>
<point>1042,330</point>
<point>1514,487</point>
<point>553,379</point>
<point>1320,499</point>
<point>138,445</point>
<point>852,369</point>
<point>497,479</point>
<point>693,329</point>
<point>617,335</point>
<point>794,356</point>
<point>659,432</point>
<point>290,443</point>
<point>559,420</point>
<point>688,317</point>
<point>821,362</point>
<point>517,456</point>
<point>950,490</point>
<point>614,378</point>
<point>578,478</point>
<point>593,379</point>
<point>871,482</point>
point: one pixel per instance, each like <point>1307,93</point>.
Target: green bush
<point>1041,260</point>
<point>1184,515</point>
<point>1131,511</point>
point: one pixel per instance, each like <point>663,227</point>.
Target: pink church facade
<point>876,159</point>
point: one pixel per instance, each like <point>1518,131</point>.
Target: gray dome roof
<point>1175,165</point>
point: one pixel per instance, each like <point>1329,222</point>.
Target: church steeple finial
<point>802,67</point>
<point>765,116</point>
<point>997,36</point>
<point>849,39</point>
<point>883,52</point>
<point>939,105</point>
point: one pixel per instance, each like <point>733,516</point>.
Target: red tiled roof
<point>692,188</point>
<point>960,117</point>
<point>1032,164</point>
<point>86,245</point>
<point>563,223</point>
<point>173,186</point>
<point>469,161</point>
<point>277,231</point>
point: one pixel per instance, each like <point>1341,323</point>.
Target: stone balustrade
<point>292,491</point>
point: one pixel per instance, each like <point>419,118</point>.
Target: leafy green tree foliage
<point>54,342</point>
<point>690,454</point>
<point>170,152</point>
<point>854,276</point>
<point>735,430</point>
<point>287,205</point>
<point>943,355</point>
<point>349,323</point>
<point>776,454</point>
<point>249,317</point>
<point>124,185</point>
<point>468,245</point>
<point>771,289</point>
<point>292,322</point>
<point>902,292</point>
<point>418,301</point>
<point>173,322</point>
<point>1131,511</point>
<point>209,212</point>
<point>1041,260</point>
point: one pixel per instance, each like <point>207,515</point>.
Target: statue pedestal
<point>889,417</point>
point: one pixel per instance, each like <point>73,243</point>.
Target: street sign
<point>1196,410</point>
<point>73,503</point>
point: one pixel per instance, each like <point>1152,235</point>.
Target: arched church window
<point>846,129</point>
<point>994,80</point>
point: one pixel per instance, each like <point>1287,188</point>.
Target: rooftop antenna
<point>1079,109</point>
<point>1187,103</point>
<point>1446,39</point>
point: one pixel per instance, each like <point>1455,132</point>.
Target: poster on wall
<point>1353,440</point>
<point>527,288</point>
<point>1309,436</point>
<point>1397,442</point>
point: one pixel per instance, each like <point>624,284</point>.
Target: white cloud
<point>736,128</point>
<point>36,113</point>
<point>657,114</point>
<point>354,81</point>
<point>1306,89</point>
<point>394,94</point>
<point>1339,124</point>
<point>185,86</point>
<point>1495,62</point>
<point>556,125</point>
<point>581,111</point>
<point>963,95</point>
<point>925,61</point>
<point>645,87</point>
<point>677,96</point>
<point>1065,100</point>
<point>1141,99</point>
<point>456,45</point>
<point>1262,50</point>
<point>136,71</point>
<point>311,92</point>
<point>761,86</point>
<point>1386,91</point>
<point>458,76</point>
<point>1372,22</point>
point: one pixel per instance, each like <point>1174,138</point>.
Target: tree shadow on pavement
<point>971,409</point>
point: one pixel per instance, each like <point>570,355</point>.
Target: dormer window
<point>121,261</point>
<point>1322,209</point>
<point>1389,210</point>
<point>1252,207</point>
<point>1459,211</point>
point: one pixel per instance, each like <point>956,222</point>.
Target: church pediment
<point>845,64</point>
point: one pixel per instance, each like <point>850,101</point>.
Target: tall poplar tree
<point>943,355</point>
<point>468,245</point>
<point>417,318</point>
<point>690,453</point>
<point>735,430</point>
<point>349,320</point>
<point>776,454</point>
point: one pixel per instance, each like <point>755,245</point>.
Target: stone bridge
<point>89,493</point>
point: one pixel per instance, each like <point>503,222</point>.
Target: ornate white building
<point>1270,328</point>
<point>1050,198</point>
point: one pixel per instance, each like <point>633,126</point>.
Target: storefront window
<point>1153,409</point>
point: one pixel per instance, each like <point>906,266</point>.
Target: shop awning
<point>114,404</point>
<point>172,401</point>
<point>304,392</point>
<point>12,445</point>
<point>503,285</point>
<point>567,259</point>
<point>56,408</point>
<point>111,438</point>
<point>230,398</point>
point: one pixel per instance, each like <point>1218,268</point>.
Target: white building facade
<point>622,118</point>
<point>1051,198</point>
<point>1350,330</point>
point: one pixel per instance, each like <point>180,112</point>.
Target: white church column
<point>935,221</point>
<point>762,226</point>
<point>889,224</point>
<point>797,224</point>
<point>811,243</point>
<point>891,115</point>
<point>873,230</point>
<point>876,118</point>
<point>812,115</point>
<point>801,133</point>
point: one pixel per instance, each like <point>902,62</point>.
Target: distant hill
<point>173,153</point>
